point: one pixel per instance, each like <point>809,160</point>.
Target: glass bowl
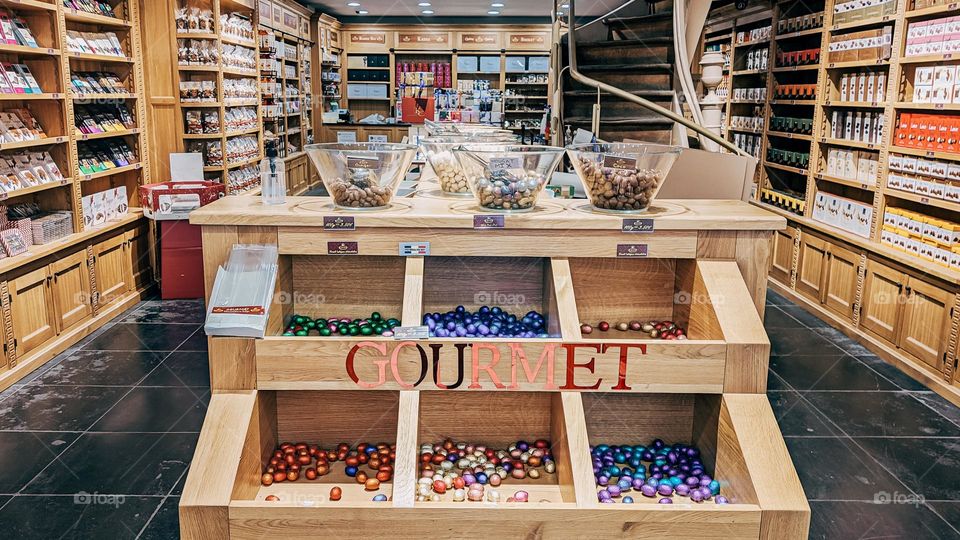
<point>361,176</point>
<point>507,178</point>
<point>439,154</point>
<point>622,177</point>
<point>440,128</point>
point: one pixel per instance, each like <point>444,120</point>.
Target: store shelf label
<point>343,248</point>
<point>339,223</point>
<point>631,250</point>
<point>488,222</point>
<point>411,332</point>
<point>414,249</point>
<point>637,225</point>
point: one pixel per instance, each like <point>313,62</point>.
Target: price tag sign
<point>339,223</point>
<point>411,332</point>
<point>632,250</point>
<point>414,249</point>
<point>504,163</point>
<point>343,248</point>
<point>488,222</point>
<point>643,225</point>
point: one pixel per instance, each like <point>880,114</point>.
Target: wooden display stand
<point>703,265</point>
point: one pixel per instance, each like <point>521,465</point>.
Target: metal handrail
<point>609,13</point>
<point>623,94</point>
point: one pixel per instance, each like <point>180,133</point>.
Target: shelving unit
<point>707,390</point>
<point>61,290</point>
<point>904,306</point>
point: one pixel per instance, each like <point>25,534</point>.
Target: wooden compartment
<point>737,434</point>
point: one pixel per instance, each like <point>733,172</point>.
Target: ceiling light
<point>353,4</point>
<point>564,6</point>
<point>362,12</point>
<point>493,12</point>
<point>427,12</point>
<point>424,4</point>
<point>496,4</point>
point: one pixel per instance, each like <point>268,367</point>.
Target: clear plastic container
<point>622,177</point>
<point>508,178</point>
<point>439,154</point>
<point>362,176</point>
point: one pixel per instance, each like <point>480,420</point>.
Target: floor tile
<point>948,510</point>
<point>157,410</point>
<point>26,454</point>
<point>777,318</point>
<point>828,372</point>
<point>46,518</point>
<point>804,316</point>
<point>929,466</point>
<point>836,469</point>
<point>165,523</point>
<point>167,311</point>
<point>130,463</point>
<point>940,404</point>
<point>776,298</point>
<point>142,337</point>
<point>775,383</point>
<point>880,414</point>
<point>798,341</point>
<point>181,368</point>
<point>798,418</point>
<point>196,342</point>
<point>111,368</point>
<point>178,489</point>
<point>841,340</point>
<point>891,373</point>
<point>57,408</point>
<point>860,520</point>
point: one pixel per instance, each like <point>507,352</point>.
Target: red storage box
<point>175,200</point>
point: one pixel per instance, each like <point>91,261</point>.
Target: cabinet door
<point>882,289</point>
<point>781,263</point>
<point>111,262</point>
<point>924,326</point>
<point>31,306</point>
<point>138,247</point>
<point>811,267</point>
<point>72,300</point>
<point>840,285</point>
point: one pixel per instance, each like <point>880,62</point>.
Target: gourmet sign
<point>521,365</point>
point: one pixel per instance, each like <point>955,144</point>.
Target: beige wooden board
<point>516,365</point>
<point>443,213</point>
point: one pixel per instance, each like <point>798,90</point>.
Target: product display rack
<point>900,305</point>
<point>707,390</point>
<point>57,292</point>
<point>219,73</point>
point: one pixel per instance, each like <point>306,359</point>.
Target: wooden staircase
<point>637,56</point>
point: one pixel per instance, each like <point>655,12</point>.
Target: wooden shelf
<point>34,189</point>
<point>241,103</point>
<point>850,144</point>
<point>751,43</point>
<point>73,15</point>
<point>857,63</point>
<point>38,252</point>
<point>201,69</point>
<point>32,143</point>
<point>801,33</point>
<point>202,135</point>
<point>921,199</point>
<point>747,101</point>
<point>855,104</point>
<point>924,153</point>
<point>746,130</point>
<point>810,67</point>
<point>247,131</point>
<point>238,41</point>
<point>787,168</point>
<point>858,24</point>
<point>88,57</point>
<point>240,72</point>
<point>101,97</point>
<point>950,7</point>
<point>200,104</point>
<point>106,135</point>
<point>23,50</point>
<point>786,135</point>
<point>29,5</point>
<point>793,102</point>
<point>931,58</point>
<point>750,72</point>
<point>109,172</point>
<point>927,106</point>
<point>208,37</point>
<point>845,181</point>
<point>29,97</point>
<point>241,164</point>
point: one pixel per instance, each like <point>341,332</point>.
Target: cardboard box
<point>175,200</point>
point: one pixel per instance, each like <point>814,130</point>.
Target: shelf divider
<point>412,313</point>
<point>405,465</point>
<point>574,470</point>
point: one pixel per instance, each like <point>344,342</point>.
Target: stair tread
<point>639,18</point>
<point>641,93</point>
<point>614,42</point>
<point>662,66</point>
<point>653,120</point>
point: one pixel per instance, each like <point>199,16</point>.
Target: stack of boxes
<point>871,45</point>
<point>853,165</point>
<point>863,10</point>
<point>930,178</point>
<point>863,86</point>
<point>932,239</point>
<point>936,36</point>
<point>935,132</point>
<point>936,84</point>
<point>846,214</point>
<point>857,126</point>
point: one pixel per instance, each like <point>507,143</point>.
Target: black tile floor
<point>97,442</point>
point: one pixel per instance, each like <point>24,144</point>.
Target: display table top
<point>438,212</point>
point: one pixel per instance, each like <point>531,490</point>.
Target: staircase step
<point>641,26</point>
<point>649,40</point>
<point>632,80</point>
<point>614,107</point>
<point>649,94</point>
<point>627,52</point>
<point>653,66</point>
<point>654,120</point>
<point>640,19</point>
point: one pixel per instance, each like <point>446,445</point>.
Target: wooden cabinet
<point>882,290</point>
<point>924,326</point>
<point>840,281</point>
<point>379,134</point>
<point>72,299</point>
<point>781,261</point>
<point>138,248</point>
<point>32,310</point>
<point>111,262</point>
<point>298,175</point>
<point>811,266</point>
